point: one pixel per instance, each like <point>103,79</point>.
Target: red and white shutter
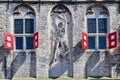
<point>84,40</point>
<point>8,41</point>
<point>36,40</point>
<point>112,40</point>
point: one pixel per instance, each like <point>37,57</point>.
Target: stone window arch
<point>102,9</point>
<point>24,26</point>
<point>97,23</point>
<point>23,8</point>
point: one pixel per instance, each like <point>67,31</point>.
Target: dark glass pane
<point>29,25</point>
<point>102,25</point>
<point>19,42</point>
<point>91,24</point>
<point>102,42</point>
<point>91,42</point>
<point>18,26</point>
<point>29,42</point>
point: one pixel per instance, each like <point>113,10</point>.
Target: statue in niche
<point>60,38</point>
<point>61,41</point>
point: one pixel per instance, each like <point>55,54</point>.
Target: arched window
<point>23,26</point>
<point>97,26</point>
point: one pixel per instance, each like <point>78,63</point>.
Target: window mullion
<point>24,40</point>
<point>97,40</point>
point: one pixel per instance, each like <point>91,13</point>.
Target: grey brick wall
<point>37,64</point>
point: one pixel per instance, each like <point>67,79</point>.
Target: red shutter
<point>84,40</point>
<point>112,40</point>
<point>8,41</point>
<point>36,40</point>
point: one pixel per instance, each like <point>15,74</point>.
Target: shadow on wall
<point>15,65</point>
<point>77,52</point>
<point>98,65</point>
<point>91,65</point>
<point>3,54</point>
<point>115,60</point>
<point>33,64</point>
<point>20,60</point>
<point>10,69</point>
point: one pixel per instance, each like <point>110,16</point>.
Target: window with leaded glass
<point>23,31</point>
<point>97,32</point>
<point>97,24</point>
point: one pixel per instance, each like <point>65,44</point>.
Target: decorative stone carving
<point>61,40</point>
<point>24,9</point>
<point>59,32</point>
<point>99,8</point>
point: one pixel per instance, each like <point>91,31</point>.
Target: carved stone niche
<point>61,30</point>
<point>23,9</point>
<point>103,11</point>
<point>60,40</point>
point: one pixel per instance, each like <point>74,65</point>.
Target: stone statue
<point>61,47</point>
<point>61,41</point>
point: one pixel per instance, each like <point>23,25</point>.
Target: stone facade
<point>41,63</point>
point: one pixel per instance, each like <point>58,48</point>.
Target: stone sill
<point>23,51</point>
<point>97,51</point>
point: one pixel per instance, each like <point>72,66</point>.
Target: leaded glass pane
<point>19,42</point>
<point>102,25</point>
<point>29,42</point>
<point>29,25</point>
<point>102,42</point>
<point>18,26</point>
<point>91,24</point>
<point>91,42</point>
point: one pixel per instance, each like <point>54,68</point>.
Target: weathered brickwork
<point>78,63</point>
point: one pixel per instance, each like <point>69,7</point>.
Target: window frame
<point>24,35</point>
<point>97,34</point>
